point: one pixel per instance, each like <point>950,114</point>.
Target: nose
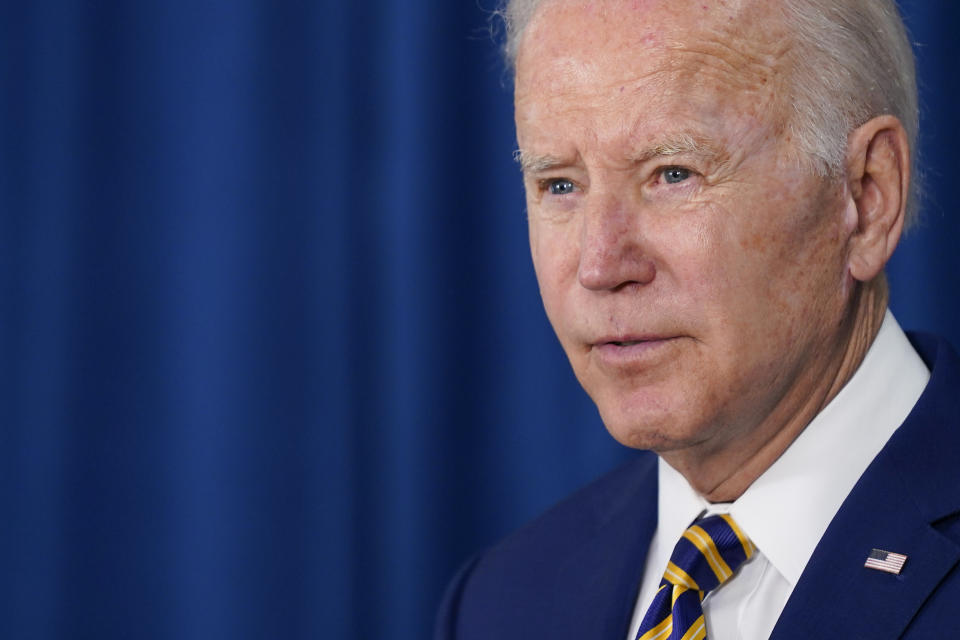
<point>611,247</point>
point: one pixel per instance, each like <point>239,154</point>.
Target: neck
<point>722,475</point>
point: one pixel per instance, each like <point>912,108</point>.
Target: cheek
<point>726,267</point>
<point>791,270</point>
<point>703,257</point>
<point>555,261</point>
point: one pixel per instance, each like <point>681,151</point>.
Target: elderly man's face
<point>691,263</point>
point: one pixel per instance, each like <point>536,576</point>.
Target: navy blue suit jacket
<point>573,574</point>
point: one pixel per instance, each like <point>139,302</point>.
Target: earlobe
<point>878,174</point>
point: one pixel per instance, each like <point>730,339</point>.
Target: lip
<point>630,339</point>
<point>631,351</point>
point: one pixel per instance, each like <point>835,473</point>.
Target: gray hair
<point>852,62</point>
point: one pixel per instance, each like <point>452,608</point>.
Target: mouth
<point>631,341</point>
<point>619,352</point>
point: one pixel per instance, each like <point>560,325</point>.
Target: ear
<point>878,176</point>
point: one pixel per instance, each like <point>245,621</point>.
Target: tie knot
<point>708,554</point>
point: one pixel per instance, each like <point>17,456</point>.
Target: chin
<point>653,432</point>
<point>648,419</point>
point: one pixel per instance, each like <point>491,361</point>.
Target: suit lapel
<point>838,597</point>
<point>606,570</point>
<point>912,483</point>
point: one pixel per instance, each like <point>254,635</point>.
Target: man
<point>714,188</point>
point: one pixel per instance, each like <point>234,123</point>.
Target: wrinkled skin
<point>695,268</point>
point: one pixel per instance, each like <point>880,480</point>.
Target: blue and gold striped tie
<point>708,554</point>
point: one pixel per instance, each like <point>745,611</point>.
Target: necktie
<point>707,555</point>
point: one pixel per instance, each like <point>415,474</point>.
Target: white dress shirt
<point>787,509</point>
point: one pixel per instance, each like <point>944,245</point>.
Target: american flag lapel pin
<point>885,561</point>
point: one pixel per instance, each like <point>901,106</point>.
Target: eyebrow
<point>536,163</point>
<point>679,143</point>
<point>671,145</point>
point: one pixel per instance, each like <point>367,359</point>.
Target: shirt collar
<point>788,508</point>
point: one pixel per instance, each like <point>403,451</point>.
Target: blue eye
<point>560,187</point>
<point>673,175</point>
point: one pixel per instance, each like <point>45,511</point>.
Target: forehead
<point>672,56</point>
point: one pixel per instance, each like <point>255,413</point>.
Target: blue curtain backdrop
<point>272,357</point>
